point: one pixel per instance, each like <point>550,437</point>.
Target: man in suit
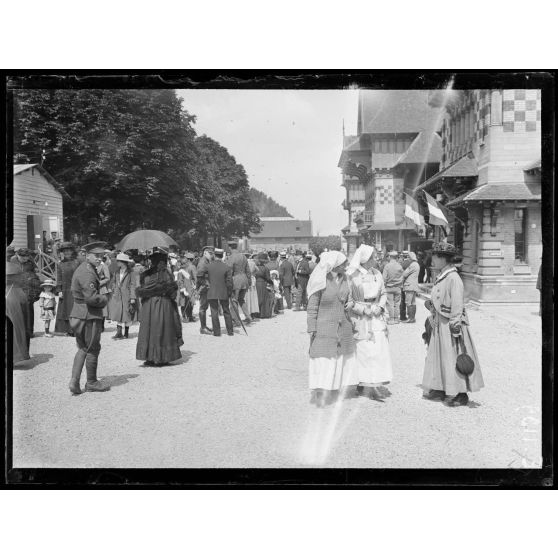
<point>242,279</point>
<point>286,278</point>
<point>302,274</point>
<point>202,284</point>
<point>219,276</point>
<point>86,319</point>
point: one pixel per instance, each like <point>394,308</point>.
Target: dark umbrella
<point>234,311</point>
<point>145,240</point>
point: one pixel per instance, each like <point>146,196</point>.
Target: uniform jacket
<point>88,302</point>
<point>122,292</point>
<point>326,317</point>
<point>410,277</point>
<point>201,273</point>
<point>393,275</point>
<point>302,268</point>
<point>241,274</point>
<point>219,275</point>
<point>286,273</point>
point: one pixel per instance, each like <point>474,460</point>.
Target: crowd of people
<point>349,308</point>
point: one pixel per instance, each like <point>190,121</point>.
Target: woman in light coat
<point>441,381</point>
<point>121,306</point>
<point>368,309</point>
<point>332,346</point>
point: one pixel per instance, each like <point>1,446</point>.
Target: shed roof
<point>497,192</point>
<point>284,228</point>
<point>535,165</point>
<point>466,166</point>
<point>396,112</point>
<point>18,169</point>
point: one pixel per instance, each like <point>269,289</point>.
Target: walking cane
<point>237,315</point>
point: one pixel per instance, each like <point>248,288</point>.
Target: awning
<point>466,166</point>
<point>497,192</point>
<point>390,227</point>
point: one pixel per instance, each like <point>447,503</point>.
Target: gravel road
<point>242,401</point>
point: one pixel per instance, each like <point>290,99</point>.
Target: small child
<point>278,306</point>
<point>47,302</point>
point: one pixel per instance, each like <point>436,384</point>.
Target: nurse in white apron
<point>367,307</point>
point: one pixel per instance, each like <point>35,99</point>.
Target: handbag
<point>464,363</point>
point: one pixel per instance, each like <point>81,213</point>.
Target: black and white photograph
<point>351,272</point>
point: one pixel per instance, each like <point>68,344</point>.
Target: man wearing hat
<point>202,285</point>
<point>122,303</point>
<point>242,279</point>
<point>302,274</point>
<point>16,310</point>
<point>30,283</point>
<point>86,319</point>
<point>410,287</point>
<point>393,279</point>
<point>219,276</point>
<point>286,277</point>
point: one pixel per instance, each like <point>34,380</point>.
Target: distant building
<point>37,207</point>
<point>282,233</point>
<point>490,179</point>
<point>396,147</point>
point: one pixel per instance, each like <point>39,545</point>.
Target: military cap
<point>445,249</point>
<point>94,247</point>
<point>208,248</point>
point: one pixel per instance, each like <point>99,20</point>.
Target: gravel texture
<point>243,401</point>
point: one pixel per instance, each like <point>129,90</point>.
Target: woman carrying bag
<point>444,379</point>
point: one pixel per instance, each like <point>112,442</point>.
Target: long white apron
<point>373,357</point>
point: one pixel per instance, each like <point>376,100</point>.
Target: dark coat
<point>303,268</point>
<point>220,280</point>
<point>241,274</point>
<point>64,273</point>
<point>326,317</point>
<point>286,273</point>
<point>30,282</point>
<point>122,293</point>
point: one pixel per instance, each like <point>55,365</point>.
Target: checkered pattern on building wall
<point>384,194</point>
<point>521,110</point>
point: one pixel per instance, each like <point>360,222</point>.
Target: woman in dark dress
<point>160,333</point>
<point>264,284</point>
<point>64,273</point>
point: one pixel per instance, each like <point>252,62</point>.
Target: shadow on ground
<point>120,380</point>
<point>35,360</point>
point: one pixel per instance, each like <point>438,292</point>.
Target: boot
<point>77,367</point>
<point>118,333</point>
<point>126,331</point>
<point>92,383</point>
<point>411,310</point>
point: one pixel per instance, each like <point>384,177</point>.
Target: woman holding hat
<point>16,308</point>
<point>367,305</point>
<point>122,303</point>
<point>332,346</point>
<point>64,273</point>
<point>450,335</point>
<point>160,333</point>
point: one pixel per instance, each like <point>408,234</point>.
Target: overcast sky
<point>289,142</point>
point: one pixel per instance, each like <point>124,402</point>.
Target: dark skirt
<point>160,332</point>
<point>265,299</point>
<point>62,324</point>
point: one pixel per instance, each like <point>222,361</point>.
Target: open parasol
<point>145,239</point>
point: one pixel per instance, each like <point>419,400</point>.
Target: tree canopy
<point>131,159</point>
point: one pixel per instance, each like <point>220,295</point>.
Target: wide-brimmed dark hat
<point>262,256</point>
<point>24,252</point>
<point>445,249</point>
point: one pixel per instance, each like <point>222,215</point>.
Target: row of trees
<point>131,159</point>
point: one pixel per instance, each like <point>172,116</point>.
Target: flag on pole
<point>412,211</point>
<point>436,211</point>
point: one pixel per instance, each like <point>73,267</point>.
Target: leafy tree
<point>267,206</point>
<point>319,243</point>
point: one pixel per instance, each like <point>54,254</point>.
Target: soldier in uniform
<point>86,319</point>
<point>302,274</point>
<point>242,279</point>
<point>202,285</point>
<point>219,275</point>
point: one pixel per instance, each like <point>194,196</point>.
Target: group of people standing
<point>349,334</point>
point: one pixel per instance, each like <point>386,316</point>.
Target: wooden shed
<point>37,206</point>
